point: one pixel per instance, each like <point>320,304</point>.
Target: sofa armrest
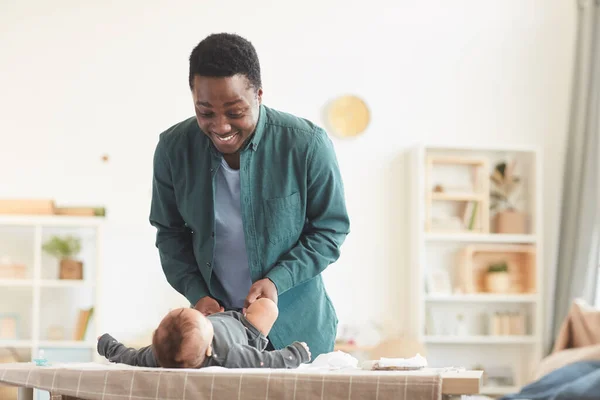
<point>566,357</point>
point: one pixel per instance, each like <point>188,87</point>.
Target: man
<point>248,201</point>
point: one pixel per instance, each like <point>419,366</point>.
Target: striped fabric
<point>121,382</point>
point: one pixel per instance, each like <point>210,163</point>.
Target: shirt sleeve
<point>328,221</point>
<point>116,352</point>
<point>173,238</point>
<point>244,356</point>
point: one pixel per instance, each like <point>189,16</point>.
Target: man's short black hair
<point>225,55</point>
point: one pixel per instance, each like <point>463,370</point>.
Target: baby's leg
<point>262,314</point>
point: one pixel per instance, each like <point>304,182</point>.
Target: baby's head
<point>183,339</point>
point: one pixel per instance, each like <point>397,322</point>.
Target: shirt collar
<point>260,128</point>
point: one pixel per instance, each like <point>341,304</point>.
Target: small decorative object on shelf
<point>504,194</point>
<point>497,278</point>
<point>438,282</point>
<point>461,326</point>
<point>41,360</point>
<point>11,270</point>
<point>507,323</point>
<point>513,268</point>
<point>9,327</point>
<point>56,332</point>
<point>65,249</point>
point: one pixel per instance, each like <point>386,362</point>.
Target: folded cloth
<point>396,364</point>
<point>417,361</point>
<point>335,360</point>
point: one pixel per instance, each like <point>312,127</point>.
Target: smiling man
<point>248,201</point>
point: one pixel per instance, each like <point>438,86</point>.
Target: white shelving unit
<point>41,300</point>
<point>434,315</point>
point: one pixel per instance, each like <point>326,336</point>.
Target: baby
<point>185,338</point>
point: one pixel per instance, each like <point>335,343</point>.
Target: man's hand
<point>262,288</point>
<point>207,305</point>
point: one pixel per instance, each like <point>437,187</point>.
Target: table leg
<point>25,393</point>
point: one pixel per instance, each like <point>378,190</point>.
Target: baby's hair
<point>169,341</point>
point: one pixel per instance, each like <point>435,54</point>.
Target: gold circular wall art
<point>348,116</point>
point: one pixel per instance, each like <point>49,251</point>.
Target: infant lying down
<point>185,338</point>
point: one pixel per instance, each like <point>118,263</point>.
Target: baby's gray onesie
<point>236,344</point>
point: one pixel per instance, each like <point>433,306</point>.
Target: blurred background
<point>466,174</point>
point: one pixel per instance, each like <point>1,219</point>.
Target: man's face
<point>227,110</point>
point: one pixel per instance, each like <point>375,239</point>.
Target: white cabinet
<point>45,308</point>
<point>476,276</point>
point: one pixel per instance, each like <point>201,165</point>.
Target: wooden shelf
<point>17,344</point>
<point>58,344</point>
<point>482,298</point>
<point>65,283</point>
<point>457,160</point>
<point>499,390</point>
<point>50,220</point>
<point>449,196</point>
<point>479,193</point>
<point>479,237</point>
<point>67,344</point>
<point>16,282</point>
<point>44,283</point>
<point>479,339</point>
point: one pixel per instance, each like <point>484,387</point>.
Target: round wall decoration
<point>348,116</point>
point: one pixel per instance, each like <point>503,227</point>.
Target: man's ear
<point>209,351</point>
<point>259,94</point>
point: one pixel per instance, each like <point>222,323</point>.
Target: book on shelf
<point>470,214</point>
<point>83,320</point>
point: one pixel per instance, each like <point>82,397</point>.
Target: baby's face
<point>197,334</point>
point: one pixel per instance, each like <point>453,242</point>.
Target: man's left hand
<point>262,288</point>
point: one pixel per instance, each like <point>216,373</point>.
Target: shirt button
<point>208,264</point>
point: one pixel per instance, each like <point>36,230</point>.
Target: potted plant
<point>497,278</point>
<point>65,249</point>
<point>504,193</point>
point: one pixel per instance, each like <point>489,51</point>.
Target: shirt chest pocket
<point>283,217</point>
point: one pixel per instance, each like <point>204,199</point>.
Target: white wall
<point>81,80</point>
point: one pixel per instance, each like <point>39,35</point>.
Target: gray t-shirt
<point>236,344</point>
<point>230,263</point>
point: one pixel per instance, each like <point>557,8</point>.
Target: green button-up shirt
<point>293,211</point>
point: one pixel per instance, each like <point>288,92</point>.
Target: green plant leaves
<point>62,247</point>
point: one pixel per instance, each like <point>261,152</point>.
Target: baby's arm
<point>244,356</point>
<point>118,353</point>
